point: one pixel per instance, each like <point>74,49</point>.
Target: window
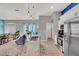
<point>30,27</point>
<point>10,28</point>
<point>1,27</point>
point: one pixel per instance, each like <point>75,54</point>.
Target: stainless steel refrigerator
<point>71,40</point>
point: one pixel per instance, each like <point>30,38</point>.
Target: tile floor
<point>32,48</point>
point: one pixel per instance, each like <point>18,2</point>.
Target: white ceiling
<point>7,10</point>
<point>71,15</point>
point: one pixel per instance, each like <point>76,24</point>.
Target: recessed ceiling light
<point>17,10</point>
<point>33,6</point>
<point>51,7</point>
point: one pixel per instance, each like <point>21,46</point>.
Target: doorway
<point>49,31</point>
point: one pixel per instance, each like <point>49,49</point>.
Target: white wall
<point>55,16</point>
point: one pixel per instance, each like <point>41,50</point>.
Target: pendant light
<point>29,13</point>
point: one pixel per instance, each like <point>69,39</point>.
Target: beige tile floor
<point>49,49</point>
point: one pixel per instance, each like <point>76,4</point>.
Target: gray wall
<point>43,20</point>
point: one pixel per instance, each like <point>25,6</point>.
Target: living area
<point>13,28</point>
<point>30,29</point>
